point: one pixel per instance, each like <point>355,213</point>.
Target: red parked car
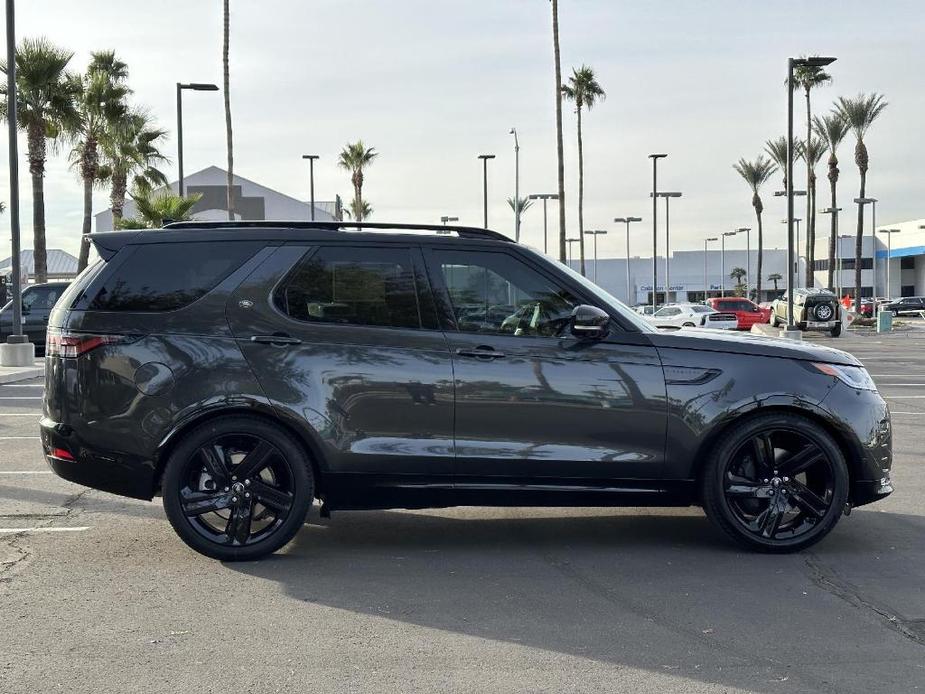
<point>748,312</point>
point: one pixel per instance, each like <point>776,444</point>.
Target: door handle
<point>481,353</point>
<point>276,340</point>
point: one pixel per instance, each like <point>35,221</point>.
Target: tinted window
<point>75,290</point>
<point>168,276</point>
<point>497,293</point>
<point>701,309</point>
<point>40,298</point>
<point>358,286</point>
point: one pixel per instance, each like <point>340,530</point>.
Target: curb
<point>23,374</point>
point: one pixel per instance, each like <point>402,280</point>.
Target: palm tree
<point>229,144</point>
<point>45,95</point>
<point>355,157</point>
<point>364,211</point>
<point>756,174</point>
<point>812,155</point>
<point>738,274</point>
<point>775,277</point>
<point>832,129</point>
<point>131,155</point>
<point>155,208</point>
<point>859,114</point>
<point>777,150</point>
<point>560,159</point>
<point>100,107</point>
<point>583,89</point>
<point>525,204</point>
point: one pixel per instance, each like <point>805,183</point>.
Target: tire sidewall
<point>302,479</point>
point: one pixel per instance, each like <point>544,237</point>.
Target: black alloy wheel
<point>237,488</point>
<point>777,484</point>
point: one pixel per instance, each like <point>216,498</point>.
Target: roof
<point>59,262</point>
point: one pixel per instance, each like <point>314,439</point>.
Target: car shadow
<point>660,592</point>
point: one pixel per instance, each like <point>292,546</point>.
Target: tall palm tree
<point>229,143</point>
<point>777,150</point>
<point>832,129</point>
<point>100,107</point>
<point>775,277</point>
<point>737,274</point>
<point>807,78</point>
<point>155,208</point>
<point>756,174</point>
<point>525,204</point>
<point>584,90</point>
<point>560,158</point>
<point>860,113</point>
<point>45,95</point>
<point>131,154</point>
<point>356,157</point>
<point>812,155</point>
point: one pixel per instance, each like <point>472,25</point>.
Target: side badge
<point>246,303</point>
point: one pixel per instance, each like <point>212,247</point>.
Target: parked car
<point>867,306</point>
<point>243,369</point>
<point>644,309</point>
<point>692,316</point>
<point>814,308</point>
<point>907,304</point>
<point>37,302</point>
<point>746,312</point>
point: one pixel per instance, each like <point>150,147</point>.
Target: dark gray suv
<point>243,370</point>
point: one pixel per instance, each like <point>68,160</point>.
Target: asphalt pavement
<point>97,594</point>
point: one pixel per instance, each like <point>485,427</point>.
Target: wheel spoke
<point>741,487</point>
<point>808,501</point>
<point>213,457</point>
<point>238,528</point>
<point>197,503</point>
<point>271,497</point>
<point>769,521</point>
<point>255,461</point>
<point>794,463</point>
<point>763,453</point>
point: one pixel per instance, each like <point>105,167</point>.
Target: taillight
<point>60,343</point>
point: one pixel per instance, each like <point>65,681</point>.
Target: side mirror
<point>589,323</point>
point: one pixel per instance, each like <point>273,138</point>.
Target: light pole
<point>722,256</point>
<point>889,252</point>
<point>705,284</point>
<point>595,233</point>
<point>311,177</point>
<point>485,158</point>
<point>196,87</point>
<point>445,219</point>
<point>834,212</point>
<point>570,242</point>
<point>748,257</point>
<point>667,197</point>
<point>516,185</point>
<point>811,61</point>
<point>796,221</point>
<point>627,221</point>
<point>655,158</point>
<point>17,351</point>
<point>873,261</point>
<point>794,264</point>
<point>544,197</point>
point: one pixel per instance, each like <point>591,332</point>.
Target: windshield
<point>625,312</point>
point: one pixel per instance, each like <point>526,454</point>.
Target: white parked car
<point>692,316</point>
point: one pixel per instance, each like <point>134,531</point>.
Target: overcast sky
<point>433,83</point>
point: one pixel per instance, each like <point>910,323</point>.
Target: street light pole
<point>570,242</point>
<point>834,212</point>
<point>705,284</point>
<point>446,219</point>
<point>485,158</point>
<point>311,176</point>
<point>595,233</point>
<point>655,158</point>
<point>668,197</point>
<point>192,86</point>
<point>748,257</point>
<point>722,256</point>
<point>627,221</point>
<point>516,185</point>
<point>544,197</point>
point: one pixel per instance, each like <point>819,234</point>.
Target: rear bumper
<point>123,475</point>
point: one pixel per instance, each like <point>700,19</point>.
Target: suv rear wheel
<point>777,483</point>
<point>237,488</point>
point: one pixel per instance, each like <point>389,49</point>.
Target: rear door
<point>344,337</point>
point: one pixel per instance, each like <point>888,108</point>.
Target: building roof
<point>59,263</point>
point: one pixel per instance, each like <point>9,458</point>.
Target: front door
<point>531,399</point>
<point>344,337</point>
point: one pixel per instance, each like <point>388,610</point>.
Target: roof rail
<point>462,231</point>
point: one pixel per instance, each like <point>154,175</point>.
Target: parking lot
<point>97,594</point>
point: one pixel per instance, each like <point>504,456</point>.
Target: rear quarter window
<point>169,276</point>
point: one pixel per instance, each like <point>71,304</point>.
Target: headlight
<point>852,376</point>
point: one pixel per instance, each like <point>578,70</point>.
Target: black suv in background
<point>242,370</point>
<point>908,304</point>
<point>37,302</point>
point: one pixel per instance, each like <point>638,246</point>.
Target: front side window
<point>496,293</point>
<point>352,285</point>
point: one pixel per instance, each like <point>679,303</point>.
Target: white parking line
<point>20,414</point>
<point>25,472</point>
<point>904,397</point>
<point>22,385</point>
<point>17,438</point>
<point>901,385</point>
<point>20,397</point>
<point>920,413</point>
<point>12,531</point>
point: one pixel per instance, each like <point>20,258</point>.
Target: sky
<point>431,84</point>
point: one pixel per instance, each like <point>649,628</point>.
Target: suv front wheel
<point>237,488</point>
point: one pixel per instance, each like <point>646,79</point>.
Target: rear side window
<point>168,276</point>
<point>357,286</point>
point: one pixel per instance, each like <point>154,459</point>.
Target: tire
<point>895,314</point>
<point>836,331</point>
<point>200,488</point>
<point>688,325</point>
<point>772,319</point>
<point>759,515</point>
